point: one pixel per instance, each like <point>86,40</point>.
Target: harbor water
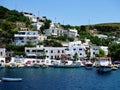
<point>60,79</point>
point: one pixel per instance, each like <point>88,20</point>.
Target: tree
<point>101,52</point>
<point>114,51</point>
<point>83,28</point>
<point>75,56</point>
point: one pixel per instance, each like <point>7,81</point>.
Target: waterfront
<point>60,79</point>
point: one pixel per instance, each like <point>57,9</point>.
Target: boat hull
<point>104,69</point>
<point>66,66</point>
<point>11,79</point>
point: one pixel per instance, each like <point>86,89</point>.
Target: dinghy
<point>11,79</point>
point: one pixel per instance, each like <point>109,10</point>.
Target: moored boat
<point>1,66</point>
<point>88,65</point>
<point>63,65</point>
<point>104,64</point>
<point>11,79</point>
<point>36,65</point>
<point>66,66</point>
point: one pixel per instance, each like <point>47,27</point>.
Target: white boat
<point>88,65</point>
<point>65,65</point>
<point>104,64</point>
<point>11,79</point>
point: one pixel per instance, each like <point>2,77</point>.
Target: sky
<point>72,12</point>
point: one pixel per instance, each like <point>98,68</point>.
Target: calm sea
<point>60,79</point>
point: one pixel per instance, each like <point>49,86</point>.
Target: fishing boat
<point>11,79</point>
<point>104,65</point>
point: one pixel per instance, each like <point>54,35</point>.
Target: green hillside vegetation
<point>110,24</point>
<point>13,16</point>
<point>108,28</point>
<point>8,27</point>
<point>8,19</point>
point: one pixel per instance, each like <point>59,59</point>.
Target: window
<point>74,49</point>
<point>80,53</point>
<point>33,50</point>
<point>22,41</point>
<point>28,33</point>
<point>80,49</point>
<point>46,50</point>
<point>40,50</point>
<point>35,38</point>
<point>27,50</point>
<point>62,51</point>
<point>52,31</point>
<point>51,57</point>
<point>22,33</point>
<point>51,51</point>
<point>21,38</point>
<point>58,51</point>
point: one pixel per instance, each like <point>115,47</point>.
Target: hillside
<point>8,20</point>
<point>110,24</point>
<point>106,28</point>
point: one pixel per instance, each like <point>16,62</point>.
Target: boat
<point>11,79</point>
<point>66,65</point>
<point>117,63</point>
<point>12,66</point>
<point>114,67</point>
<point>104,65</point>
<point>1,66</point>
<point>88,65</point>
<point>35,65</point>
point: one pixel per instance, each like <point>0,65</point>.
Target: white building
<point>105,49</point>
<point>38,25</point>
<point>94,50</point>
<point>87,43</point>
<point>60,32</point>
<point>54,32</point>
<point>32,17</point>
<point>2,55</point>
<point>76,47</point>
<point>71,33</point>
<point>34,51</point>
<point>52,53</point>
<point>24,37</point>
<point>101,36</point>
<point>42,38</point>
